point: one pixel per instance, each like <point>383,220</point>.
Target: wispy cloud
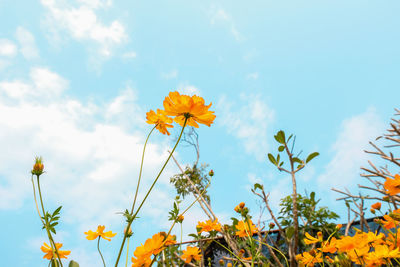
<point>27,43</point>
<point>7,48</point>
<point>83,24</point>
<point>348,155</point>
<point>249,121</point>
<point>88,154</point>
<point>186,88</point>
<point>220,15</point>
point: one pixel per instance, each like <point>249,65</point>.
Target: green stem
<point>98,248</point>
<point>148,192</point>
<point>127,252</point>
<point>230,251</point>
<point>173,224</point>
<point>51,240</point>
<point>140,172</point>
<point>280,252</point>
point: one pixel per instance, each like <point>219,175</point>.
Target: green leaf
<point>289,232</point>
<point>312,196</point>
<point>311,156</point>
<point>56,211</point>
<point>73,264</point>
<point>257,185</point>
<point>271,158</point>
<point>280,137</point>
<point>297,160</point>
<point>281,148</point>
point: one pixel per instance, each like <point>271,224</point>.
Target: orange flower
<point>376,206</point>
<point>243,228</point>
<point>209,226</point>
<point>309,258</point>
<point>311,240</point>
<point>152,246</point>
<point>388,222</point>
<point>99,233</point>
<point>392,186</point>
<point>191,253</point>
<point>49,252</point>
<point>38,166</point>
<point>160,120</point>
<point>190,107</point>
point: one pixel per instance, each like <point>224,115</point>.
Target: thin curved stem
<point>141,168</point>
<point>148,192</point>
<point>277,250</point>
<point>98,248</point>
<point>52,243</point>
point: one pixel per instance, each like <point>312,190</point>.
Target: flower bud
<point>129,234</point>
<point>372,211</point>
<point>271,225</point>
<point>338,226</point>
<point>221,262</point>
<point>229,264</point>
<point>241,205</point>
<point>180,218</point>
<point>38,167</point>
<point>211,173</point>
<point>386,198</point>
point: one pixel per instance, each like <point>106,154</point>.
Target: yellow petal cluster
<point>49,252</point>
<point>191,253</point>
<point>243,229</point>
<point>209,226</point>
<point>152,246</point>
<point>90,235</point>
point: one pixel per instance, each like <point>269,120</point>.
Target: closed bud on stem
<point>180,218</point>
<point>211,173</point>
<point>38,167</point>
<point>221,262</point>
<point>129,234</point>
<point>372,211</point>
<point>271,225</point>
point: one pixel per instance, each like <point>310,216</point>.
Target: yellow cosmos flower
<point>152,246</point>
<point>311,240</point>
<point>49,252</point>
<point>243,228</point>
<point>99,233</point>
<point>309,258</point>
<point>160,120</point>
<point>209,226</point>
<point>191,253</point>
<point>392,186</point>
<point>376,206</point>
<point>191,107</point>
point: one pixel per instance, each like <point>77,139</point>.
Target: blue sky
<point>77,77</point>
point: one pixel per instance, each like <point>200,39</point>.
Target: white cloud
<point>27,43</point>
<point>91,161</point>
<point>169,75</point>
<point>220,15</point>
<point>7,48</point>
<point>252,76</point>
<point>43,85</point>
<point>83,24</point>
<point>248,121</point>
<point>348,155</point>
<point>185,88</point>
